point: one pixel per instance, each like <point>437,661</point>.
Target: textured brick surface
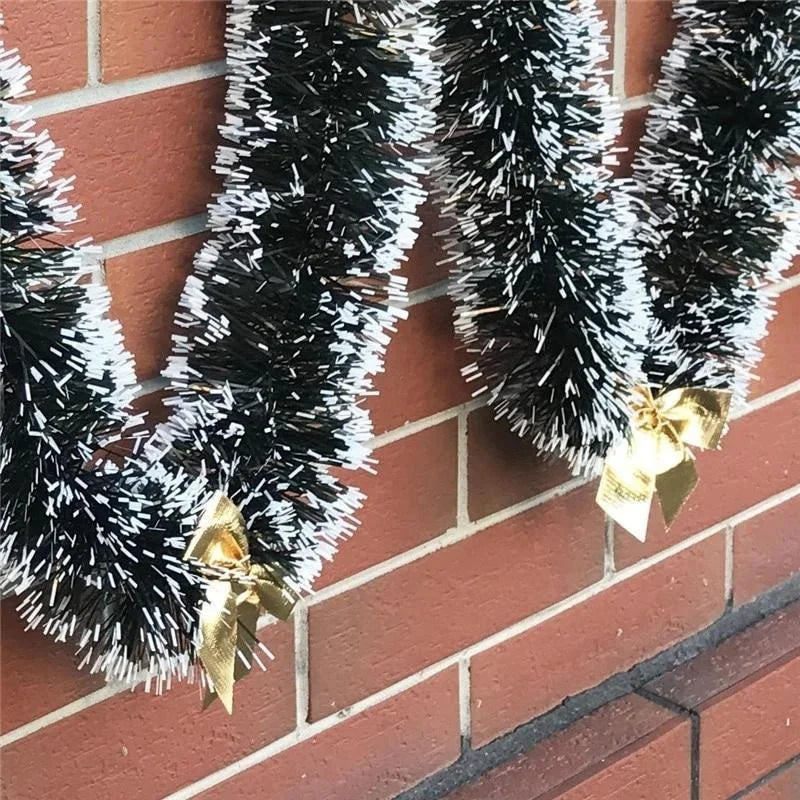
<point>750,730</point>
<point>422,266</point>
<point>633,125</point>
<point>422,368</point>
<point>766,550</point>
<point>609,633</point>
<point>733,661</point>
<point>143,160</point>
<point>410,500</point>
<point>627,750</point>
<point>140,36</point>
<point>752,464</point>
<point>372,756</point>
<point>649,34</point>
<point>51,38</point>
<point>745,692</point>
<point>781,363</point>
<point>503,468</point>
<point>145,287</point>
<point>136,746</point>
<point>382,631</point>
<point>784,785</point>
<point>37,675</point>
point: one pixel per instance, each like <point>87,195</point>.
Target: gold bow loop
<point>656,459</point>
<point>237,591</point>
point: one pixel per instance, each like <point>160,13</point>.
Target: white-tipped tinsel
<point>715,172</point>
<point>292,300</point>
<point>66,376</point>
<point>547,286</point>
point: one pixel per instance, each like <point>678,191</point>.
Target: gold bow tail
<point>236,592</point>
<point>656,459</point>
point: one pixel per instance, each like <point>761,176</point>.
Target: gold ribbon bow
<point>236,592</point>
<point>656,459</point>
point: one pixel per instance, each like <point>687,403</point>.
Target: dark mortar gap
<point>740,795</point>
<point>474,763</point>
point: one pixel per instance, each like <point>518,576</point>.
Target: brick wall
<point>483,586</point>
<point>722,726</point>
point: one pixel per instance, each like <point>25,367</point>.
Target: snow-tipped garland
<point>66,377</point>
<point>85,544</point>
<point>548,295</point>
<point>714,173</point>
<point>284,322</point>
<point>325,110</point>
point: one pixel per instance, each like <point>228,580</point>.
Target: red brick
<point>733,661</point>
<point>750,729</point>
<point>650,31</point>
<point>766,551</point>
<point>422,373</point>
<point>382,631</point>
<point>781,363</point>
<point>503,468</point>
<point>784,785</point>
<point>410,500</point>
<point>745,692</point>
<point>140,36</point>
<point>633,125</point>
<point>143,160</point>
<point>145,286</point>
<point>422,266</point>
<point>609,633</point>
<point>51,38</point>
<point>38,675</point>
<point>137,746</point>
<point>753,463</point>
<point>627,749</point>
<point>372,756</point>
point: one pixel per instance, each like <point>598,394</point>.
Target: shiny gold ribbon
<point>236,593</point>
<point>656,459</point>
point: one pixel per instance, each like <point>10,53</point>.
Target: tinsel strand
<point>547,287</point>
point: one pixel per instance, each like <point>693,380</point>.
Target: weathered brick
<point>609,633</point>
<point>51,38</point>
<point>503,468</point>
<point>145,287</point>
<point>38,675</point>
<point>783,785</point>
<point>766,551</point>
<point>422,373</point>
<point>382,631</point>
<point>422,266</point>
<point>633,126</point>
<point>627,749</point>
<point>752,464</point>
<point>136,746</point>
<point>371,756</point>
<point>140,36</point>
<point>143,160</point>
<point>731,662</point>
<point>750,729</point>
<point>649,33</point>
<point>781,363</point>
<point>745,692</point>
<point>410,500</point>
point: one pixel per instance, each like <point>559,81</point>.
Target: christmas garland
<point>547,289</point>
<point>718,223</point>
<point>283,323</point>
<point>286,316</point>
<point>714,175</point>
